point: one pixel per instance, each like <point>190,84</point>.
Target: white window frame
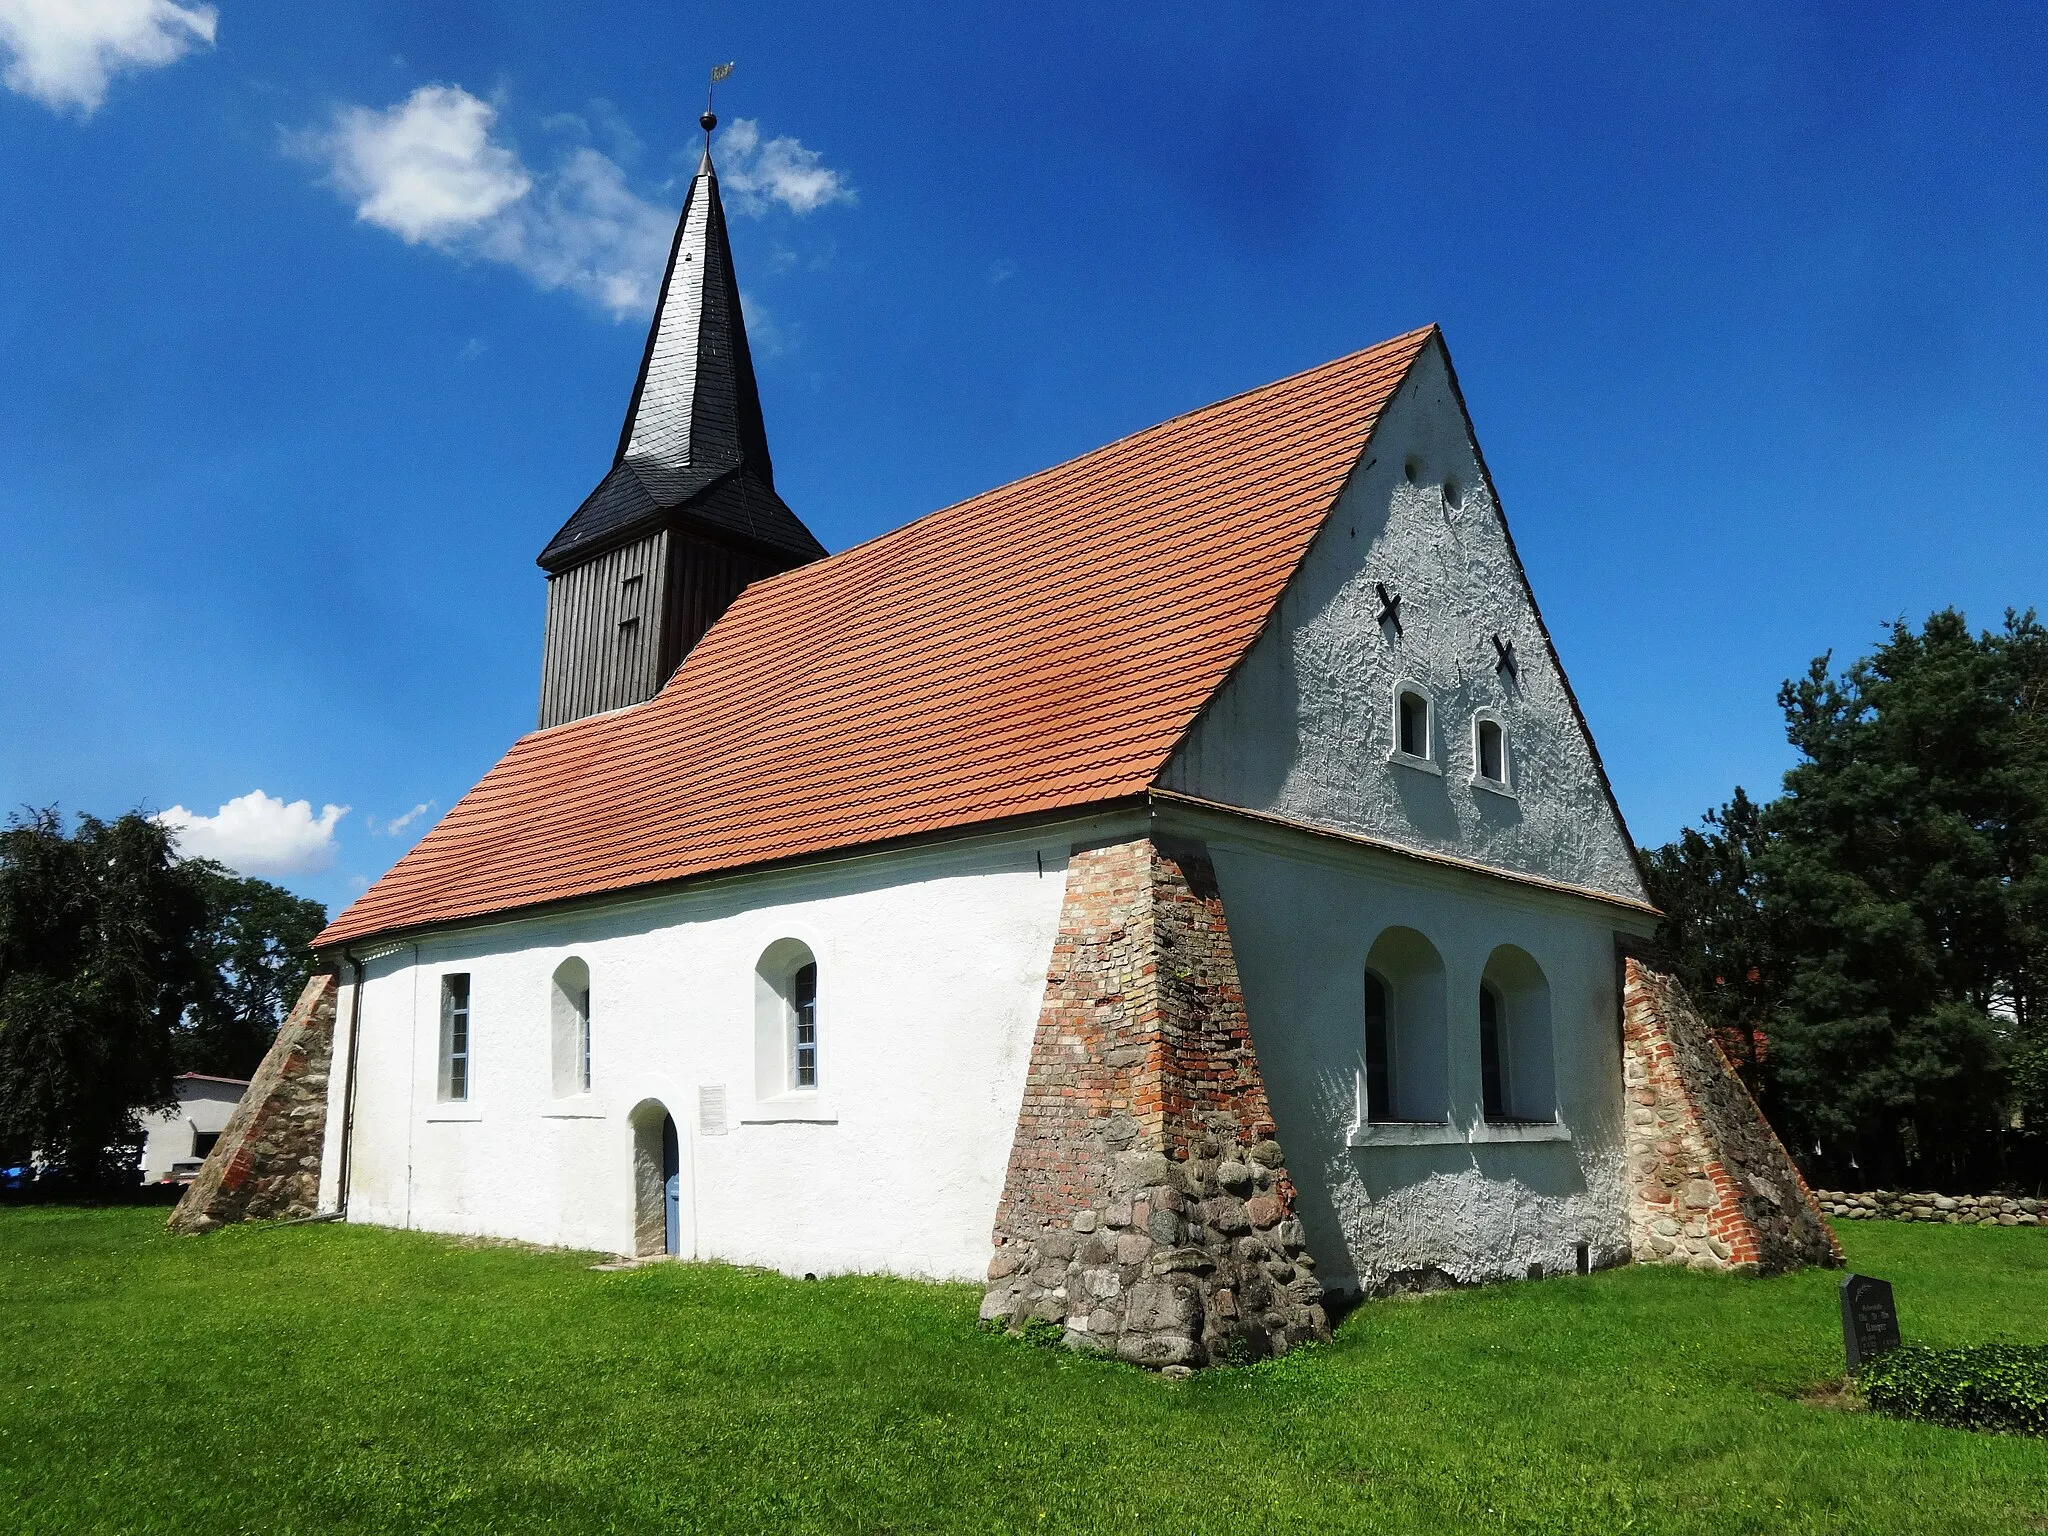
<point>1505,784</point>
<point>779,1094</point>
<point>1427,762</point>
<point>457,1050</point>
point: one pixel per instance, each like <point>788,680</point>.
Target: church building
<point>1166,890</point>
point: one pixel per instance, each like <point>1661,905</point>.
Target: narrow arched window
<point>803,1009</point>
<point>787,1043</point>
<point>569,1018</point>
<point>1492,1072</point>
<point>1379,1081</point>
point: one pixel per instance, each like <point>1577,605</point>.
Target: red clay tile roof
<point>1041,647</point>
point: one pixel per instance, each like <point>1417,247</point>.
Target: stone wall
<point>1710,1184</point>
<point>1955,1210</point>
<point>1147,1207</point>
<point>267,1162</point>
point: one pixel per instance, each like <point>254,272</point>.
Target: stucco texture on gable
<point>1304,727</point>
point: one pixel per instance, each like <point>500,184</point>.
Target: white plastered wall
<point>1303,913</point>
<point>1304,727</point>
<point>931,964</point>
<point>204,1106</point>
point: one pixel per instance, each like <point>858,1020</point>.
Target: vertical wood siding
<point>604,643</point>
<point>704,579</point>
<point>595,659</point>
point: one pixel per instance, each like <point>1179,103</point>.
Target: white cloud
<point>258,834</point>
<point>66,51</point>
<point>582,228</point>
<point>753,173</point>
<point>425,169</point>
<point>429,170</point>
<point>767,336</point>
<point>398,824</point>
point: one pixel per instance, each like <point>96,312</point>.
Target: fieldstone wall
<point>1955,1210</point>
<point>1711,1186</point>
<point>267,1162</point>
<point>1147,1207</point>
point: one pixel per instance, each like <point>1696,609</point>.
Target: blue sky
<point>318,320</point>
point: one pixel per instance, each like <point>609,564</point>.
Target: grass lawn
<point>322,1377</point>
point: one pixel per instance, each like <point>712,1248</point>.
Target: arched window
<point>1517,1074</point>
<point>569,1015</point>
<point>1414,727</point>
<point>1407,1052</point>
<point>1491,767</point>
<point>787,1044</point>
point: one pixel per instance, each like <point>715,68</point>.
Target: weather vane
<point>709,120</point>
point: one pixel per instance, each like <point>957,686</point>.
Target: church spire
<point>687,515</point>
<point>695,405</point>
<point>693,438</point>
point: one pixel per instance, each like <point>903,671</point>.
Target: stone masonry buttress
<point>1710,1184</point>
<point>267,1162</point>
<point>1147,1208</point>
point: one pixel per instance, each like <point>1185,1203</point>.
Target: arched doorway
<point>657,1181</point>
<point>671,1188</point>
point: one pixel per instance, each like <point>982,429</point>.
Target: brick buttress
<point>1147,1208</point>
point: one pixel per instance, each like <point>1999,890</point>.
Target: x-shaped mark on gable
<point>1390,606</point>
<point>1504,657</point>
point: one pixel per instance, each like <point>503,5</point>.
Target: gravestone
<point>1870,1323</point>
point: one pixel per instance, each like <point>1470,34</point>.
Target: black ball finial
<point>708,121</point>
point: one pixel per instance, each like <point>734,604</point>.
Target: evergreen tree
<point>1886,919</point>
<point>1906,873</point>
<point>1716,937</point>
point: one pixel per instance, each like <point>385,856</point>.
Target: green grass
<point>321,1378</point>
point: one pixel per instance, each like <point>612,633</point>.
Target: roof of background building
<point>1041,647</point>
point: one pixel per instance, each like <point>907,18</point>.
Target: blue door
<point>672,1188</point>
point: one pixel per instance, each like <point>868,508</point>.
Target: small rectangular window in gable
<point>1414,725</point>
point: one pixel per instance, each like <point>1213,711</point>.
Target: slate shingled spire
<point>693,440</point>
<point>687,517</point>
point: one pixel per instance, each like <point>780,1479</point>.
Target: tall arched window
<point>787,1042</point>
<point>1407,1052</point>
<point>1517,1074</point>
<point>569,1015</point>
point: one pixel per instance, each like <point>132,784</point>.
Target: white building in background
<point>177,1140</point>
<point>753,951</point>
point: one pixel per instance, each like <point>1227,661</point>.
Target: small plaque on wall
<point>711,1109</point>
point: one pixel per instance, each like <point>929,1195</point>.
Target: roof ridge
<point>1423,331</point>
